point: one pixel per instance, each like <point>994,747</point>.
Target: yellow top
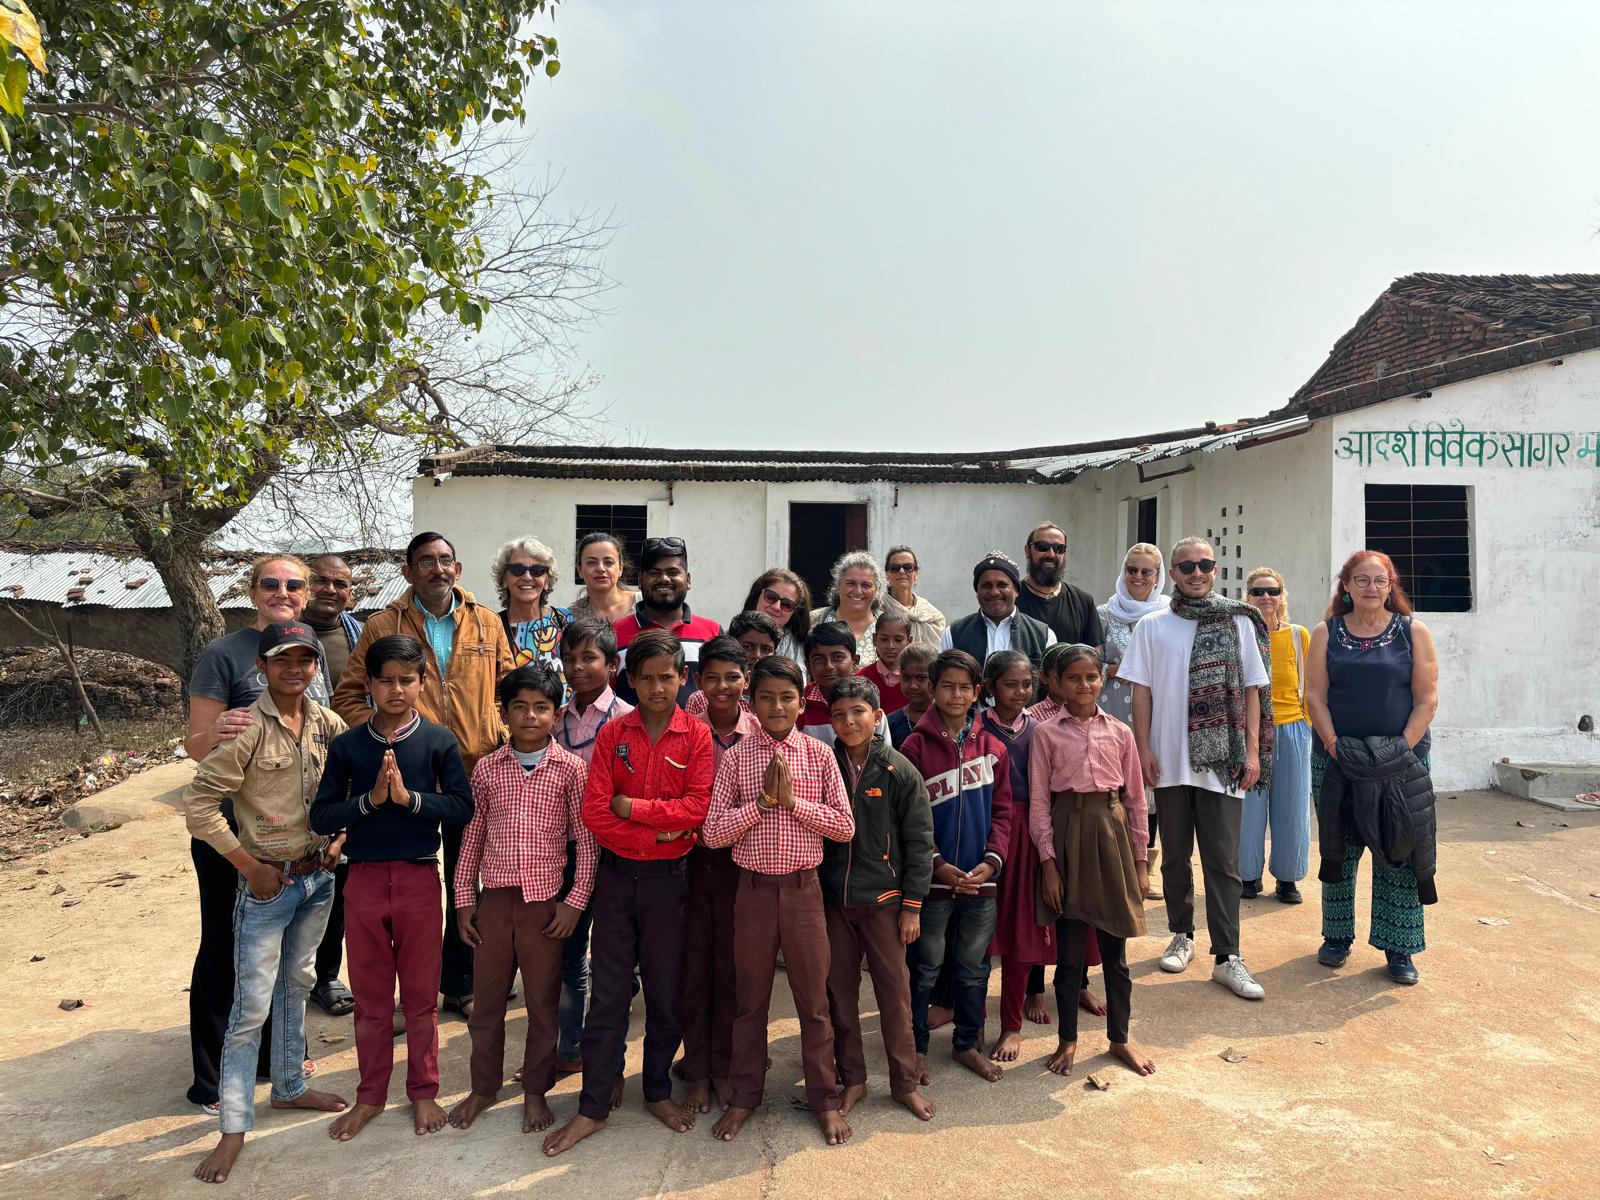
<point>1286,706</point>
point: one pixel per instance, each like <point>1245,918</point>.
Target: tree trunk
<point>182,567</point>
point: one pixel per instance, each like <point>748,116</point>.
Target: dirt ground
<point>1479,1082</point>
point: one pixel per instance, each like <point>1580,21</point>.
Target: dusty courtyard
<point>1482,1081</point>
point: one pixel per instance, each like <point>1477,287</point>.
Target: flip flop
<point>458,1004</point>
<point>334,998</point>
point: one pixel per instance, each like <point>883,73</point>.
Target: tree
<point>238,242</point>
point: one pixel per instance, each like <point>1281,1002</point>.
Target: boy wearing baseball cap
<point>271,770</point>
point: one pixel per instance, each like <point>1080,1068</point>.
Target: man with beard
<point>997,625</point>
<point>663,603</point>
<point>1047,596</point>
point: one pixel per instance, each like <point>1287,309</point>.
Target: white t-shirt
<point>997,637</point>
<point>1158,657</point>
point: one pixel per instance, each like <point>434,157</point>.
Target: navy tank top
<point>1369,681</point>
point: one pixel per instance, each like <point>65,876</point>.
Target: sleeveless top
<point>1369,681</point>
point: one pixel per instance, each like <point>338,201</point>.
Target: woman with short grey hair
<point>525,574</point>
<point>855,598</point>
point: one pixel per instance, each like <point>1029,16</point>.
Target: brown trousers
<point>513,936</point>
<point>876,931</point>
<point>706,1001</point>
<point>784,912</point>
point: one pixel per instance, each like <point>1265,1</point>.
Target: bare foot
<point>678,1072</point>
<point>352,1123</point>
<point>570,1134</point>
<point>938,1018</point>
<point>1138,1061</point>
<point>1034,1009</point>
<point>564,1066</point>
<point>728,1125</point>
<point>1087,1002</point>
<point>215,1166</point>
<point>617,1089</point>
<point>427,1116</point>
<point>1008,1047</point>
<point>834,1127</point>
<point>1061,1061</point>
<point>923,1077</point>
<point>536,1114</point>
<point>921,1107</point>
<point>851,1096</point>
<point>516,1076</point>
<point>724,1089</point>
<point>975,1062</point>
<point>315,1101</point>
<point>466,1112</point>
<point>699,1098</point>
<point>671,1114</point>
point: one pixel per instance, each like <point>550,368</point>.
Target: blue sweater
<point>429,759</point>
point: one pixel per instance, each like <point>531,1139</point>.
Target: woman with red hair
<point>1372,673</point>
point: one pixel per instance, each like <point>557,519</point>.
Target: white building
<point>1456,427</point>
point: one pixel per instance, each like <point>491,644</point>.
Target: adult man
<point>1198,668</point>
<point>328,615</point>
<point>1046,596</point>
<point>997,625</point>
<point>663,603</point>
<point>467,656</point>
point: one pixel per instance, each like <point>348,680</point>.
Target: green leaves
<point>13,85</point>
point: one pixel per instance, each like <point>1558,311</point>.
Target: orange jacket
<point>465,702</point>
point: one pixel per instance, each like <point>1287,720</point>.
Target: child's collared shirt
<point>577,731</point>
<point>1045,710</point>
<point>521,825</point>
<point>776,841</point>
<point>697,704</point>
<point>742,728</point>
<point>669,782</point>
<point>1097,755</point>
<point>816,718</point>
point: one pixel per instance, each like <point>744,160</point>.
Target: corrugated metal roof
<point>81,578</point>
<point>1063,467</point>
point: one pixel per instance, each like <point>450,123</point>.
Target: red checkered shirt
<point>775,841</point>
<point>742,728</point>
<point>521,824</point>
<point>697,704</point>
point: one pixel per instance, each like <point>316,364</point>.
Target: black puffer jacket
<point>1379,793</point>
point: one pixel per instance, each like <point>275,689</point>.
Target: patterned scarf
<point>1216,687</point>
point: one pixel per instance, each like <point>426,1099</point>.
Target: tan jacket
<point>465,704</point>
<point>272,778</point>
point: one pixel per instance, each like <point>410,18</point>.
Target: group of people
<point>623,796</point>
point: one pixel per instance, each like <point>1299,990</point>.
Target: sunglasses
<point>1266,591</point>
<point>1141,572</point>
<point>1059,549</point>
<point>537,570</point>
<point>783,602</point>
<point>899,568</point>
<point>1205,566</point>
<point>271,583</point>
<point>672,545</point>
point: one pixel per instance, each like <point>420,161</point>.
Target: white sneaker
<point>1178,954</point>
<point>1236,977</point>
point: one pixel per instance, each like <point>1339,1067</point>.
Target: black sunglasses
<point>537,570</point>
<point>1265,591</point>
<point>672,545</point>
<point>899,568</point>
<point>1141,572</point>
<point>1204,565</point>
<point>271,583</point>
<point>783,602</point>
<point>1056,548</point>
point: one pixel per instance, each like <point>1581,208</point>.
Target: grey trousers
<point>1187,814</point>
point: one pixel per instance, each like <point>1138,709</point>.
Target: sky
<point>930,226</point>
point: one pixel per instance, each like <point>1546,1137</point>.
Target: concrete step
<point>1552,784</point>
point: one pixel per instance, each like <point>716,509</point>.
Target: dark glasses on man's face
<point>1141,572</point>
<point>783,602</point>
<point>271,583</point>
<point>1057,548</point>
<point>1264,591</point>
<point>1204,565</point>
<point>537,570</point>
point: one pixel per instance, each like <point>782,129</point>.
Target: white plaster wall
<point>1516,673</point>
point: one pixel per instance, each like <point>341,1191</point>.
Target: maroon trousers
<point>393,922</point>
<point>784,912</point>
<point>875,931</point>
<point>706,1005</point>
<point>513,936</point>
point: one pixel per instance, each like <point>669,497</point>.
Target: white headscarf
<point>1123,607</point>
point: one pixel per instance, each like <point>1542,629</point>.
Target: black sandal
<point>334,998</point>
<point>458,1004</point>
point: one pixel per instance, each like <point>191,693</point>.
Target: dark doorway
<point>1146,521</point>
<point>818,535</point>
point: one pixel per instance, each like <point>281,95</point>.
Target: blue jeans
<point>1288,802</point>
<point>962,929</point>
<point>574,988</point>
<point>274,967</point>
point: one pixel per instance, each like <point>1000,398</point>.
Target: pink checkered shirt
<point>521,824</point>
<point>776,841</point>
<point>1044,710</point>
<point>742,728</point>
<point>697,704</point>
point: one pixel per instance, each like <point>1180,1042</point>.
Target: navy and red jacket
<point>969,786</point>
<point>692,631</point>
<point>669,782</point>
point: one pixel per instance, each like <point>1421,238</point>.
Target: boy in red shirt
<point>648,788</point>
<point>777,795</point>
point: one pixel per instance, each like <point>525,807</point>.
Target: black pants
<point>330,954</point>
<point>455,963</point>
<point>640,910</point>
<point>1073,939</point>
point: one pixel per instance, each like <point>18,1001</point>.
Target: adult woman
<point>1372,672</point>
<point>927,622</point>
<point>1287,800</point>
<point>524,573</point>
<point>855,598</point>
<point>784,597</point>
<point>601,564</point>
<point>224,685</point>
